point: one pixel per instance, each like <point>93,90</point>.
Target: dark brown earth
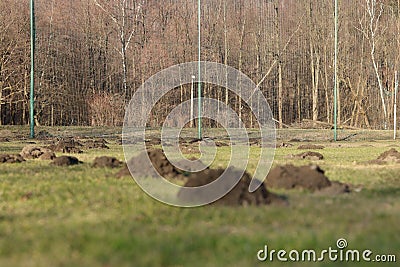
<point>311,178</point>
<point>159,161</point>
<point>34,152</point>
<point>310,146</point>
<point>13,158</point>
<point>310,155</point>
<point>238,196</point>
<point>282,145</point>
<point>96,144</point>
<point>106,162</point>
<point>43,135</point>
<point>4,139</point>
<point>65,161</point>
<point>67,146</point>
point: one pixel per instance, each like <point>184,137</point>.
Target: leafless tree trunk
<point>375,9</point>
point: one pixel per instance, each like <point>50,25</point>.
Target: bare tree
<point>125,16</point>
<point>370,29</point>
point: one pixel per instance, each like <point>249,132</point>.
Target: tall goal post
<point>335,93</point>
<point>32,81</point>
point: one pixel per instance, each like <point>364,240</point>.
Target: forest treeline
<point>91,56</point>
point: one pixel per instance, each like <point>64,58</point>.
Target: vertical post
<point>336,73</point>
<point>32,83</point>
<point>199,74</point>
<point>396,88</point>
<point>191,101</point>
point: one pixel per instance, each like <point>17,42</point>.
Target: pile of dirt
<point>165,168</point>
<point>390,156</point>
<point>65,161</point>
<point>283,145</point>
<point>310,155</point>
<point>310,146</point>
<point>96,144</point>
<point>159,161</point>
<point>67,146</point>
<point>311,178</point>
<point>35,152</point>
<point>153,141</point>
<point>11,158</point>
<point>238,196</point>
<point>43,135</point>
<point>189,148</point>
<point>106,162</point>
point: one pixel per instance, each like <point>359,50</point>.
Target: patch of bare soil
<point>140,168</point>
<point>283,145</point>
<point>189,148</point>
<point>65,161</point>
<point>43,135</point>
<point>311,178</point>
<point>310,155</point>
<point>310,146</point>
<point>336,188</point>
<point>67,146</point>
<point>35,152</point>
<point>238,196</point>
<point>96,144</point>
<point>390,156</point>
<point>106,162</point>
<point>11,158</point>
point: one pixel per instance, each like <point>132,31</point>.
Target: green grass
<point>80,216</point>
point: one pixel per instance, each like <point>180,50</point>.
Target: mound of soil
<point>34,152</point>
<point>310,146</point>
<point>153,141</point>
<point>65,161</point>
<point>159,161</point>
<point>43,135</point>
<point>290,177</point>
<point>311,178</point>
<point>310,155</point>
<point>391,155</point>
<point>239,195</point>
<point>106,162</point>
<point>336,188</point>
<point>164,167</point>
<point>189,148</point>
<point>282,145</point>
<point>13,158</point>
<point>123,172</point>
<point>191,167</point>
<point>67,146</point>
<point>96,144</point>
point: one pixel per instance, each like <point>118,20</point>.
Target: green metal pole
<point>200,136</point>
<point>31,109</point>
<point>336,71</point>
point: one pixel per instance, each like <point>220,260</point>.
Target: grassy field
<point>80,216</point>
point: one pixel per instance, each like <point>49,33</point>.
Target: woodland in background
<point>93,54</point>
